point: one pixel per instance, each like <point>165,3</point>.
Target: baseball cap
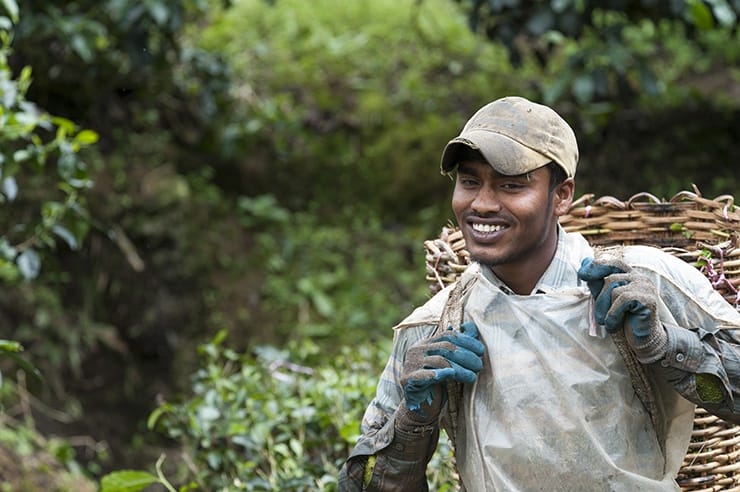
<point>515,136</point>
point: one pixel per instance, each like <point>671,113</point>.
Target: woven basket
<point>703,232</point>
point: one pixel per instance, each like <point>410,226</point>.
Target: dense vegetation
<point>211,213</point>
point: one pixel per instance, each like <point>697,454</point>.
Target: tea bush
<point>273,419</point>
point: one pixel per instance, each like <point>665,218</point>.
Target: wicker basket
<point>701,231</point>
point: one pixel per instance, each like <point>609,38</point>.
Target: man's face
<point>509,222</point>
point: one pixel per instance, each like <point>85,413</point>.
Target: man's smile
<point>487,228</point>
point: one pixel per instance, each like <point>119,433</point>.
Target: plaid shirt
<point>700,343</point>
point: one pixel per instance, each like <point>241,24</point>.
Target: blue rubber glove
<point>626,300</point>
<point>432,362</point>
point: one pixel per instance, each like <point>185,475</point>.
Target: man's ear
<point>563,197</point>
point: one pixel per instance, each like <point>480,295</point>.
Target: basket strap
<point>641,384</point>
<point>452,315</point>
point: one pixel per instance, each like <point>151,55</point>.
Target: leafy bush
<point>273,420</point>
<point>615,51</point>
<point>43,180</point>
<point>340,281</point>
<point>348,104</point>
<point>30,461</point>
<point>42,176</point>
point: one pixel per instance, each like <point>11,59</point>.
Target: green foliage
<point>43,180</point>
<point>279,420</point>
<point>12,350</point>
<point>325,118</point>
<point>29,461</point>
<point>134,480</point>
<point>270,421</point>
<point>127,481</point>
<point>615,50</point>
<point>147,96</point>
<point>125,48</point>
<point>40,158</point>
<point>344,281</point>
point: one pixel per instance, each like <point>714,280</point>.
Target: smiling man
<point>570,369</point>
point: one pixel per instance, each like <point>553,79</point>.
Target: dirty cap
<point>515,136</point>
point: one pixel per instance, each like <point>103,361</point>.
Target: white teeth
<point>487,228</point>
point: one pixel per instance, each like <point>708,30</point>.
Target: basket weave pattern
<point>701,231</point>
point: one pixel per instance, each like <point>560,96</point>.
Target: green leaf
<point>7,251</point>
<point>9,188</point>
<point>208,413</point>
<point>700,15</point>
<point>67,165</point>
<point>724,13</point>
<point>29,368</point>
<point>66,235</point>
<point>10,346</point>
<point>323,304</point>
<point>86,137</point>
<point>21,155</point>
<point>65,125</point>
<point>81,46</point>
<point>11,7</point>
<point>127,481</point>
<point>29,264</point>
<point>156,414</point>
<point>159,12</point>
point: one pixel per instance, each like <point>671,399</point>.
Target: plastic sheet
<point>554,408</point>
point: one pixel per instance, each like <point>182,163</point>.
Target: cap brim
<point>505,155</point>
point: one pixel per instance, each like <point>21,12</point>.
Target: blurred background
<point>212,212</point>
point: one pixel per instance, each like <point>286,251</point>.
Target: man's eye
<point>467,181</point>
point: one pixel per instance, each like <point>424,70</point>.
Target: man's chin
<point>485,260</point>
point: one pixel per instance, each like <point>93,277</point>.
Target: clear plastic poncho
<point>554,408</point>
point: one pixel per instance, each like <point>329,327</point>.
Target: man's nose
<point>486,201</point>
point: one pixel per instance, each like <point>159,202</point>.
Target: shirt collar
<point>562,271</point>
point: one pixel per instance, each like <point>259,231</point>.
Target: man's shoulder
<point>430,312</point>
<point>657,260</point>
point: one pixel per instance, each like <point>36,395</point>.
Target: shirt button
<point>680,357</point>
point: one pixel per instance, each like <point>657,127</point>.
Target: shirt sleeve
<point>397,459</point>
<point>703,334</point>
<point>695,352</point>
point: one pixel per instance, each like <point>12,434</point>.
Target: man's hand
<point>430,363</point>
<point>628,300</point>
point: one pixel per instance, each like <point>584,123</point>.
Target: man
<point>555,342</point>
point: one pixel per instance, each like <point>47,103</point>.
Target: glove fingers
<point>469,328</point>
<point>605,299</point>
<point>424,378</point>
<point>462,374</point>
<point>630,310</point>
<point>460,356</point>
<point>616,316</point>
<point>419,388</point>
<point>595,271</point>
<point>460,340</point>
